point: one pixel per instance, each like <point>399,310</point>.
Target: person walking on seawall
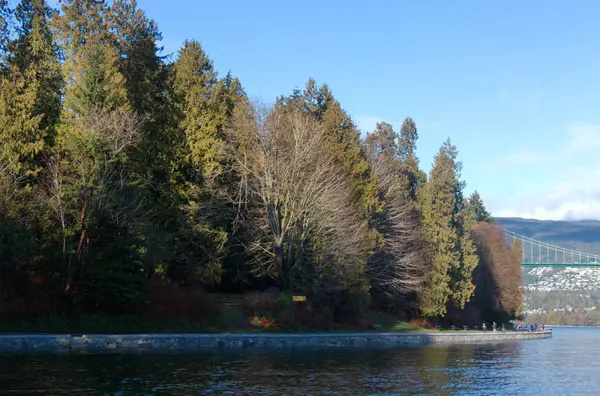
<point>494,327</point>
<point>483,326</point>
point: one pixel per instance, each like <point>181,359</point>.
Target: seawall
<point>72,342</point>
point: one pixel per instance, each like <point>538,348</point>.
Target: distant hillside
<point>578,235</point>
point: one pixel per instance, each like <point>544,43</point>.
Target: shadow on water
<point>426,370</point>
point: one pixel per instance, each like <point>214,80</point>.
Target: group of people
<point>530,327</point>
<point>522,327</point>
<point>494,327</point>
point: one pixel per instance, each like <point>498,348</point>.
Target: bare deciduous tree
<point>396,267</point>
<point>294,199</point>
<point>94,163</point>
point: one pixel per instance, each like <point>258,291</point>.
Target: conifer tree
<point>35,78</point>
<point>203,107</point>
<point>479,211</point>
<point>5,16</point>
<point>21,138</point>
<point>407,145</point>
<point>447,231</point>
<point>90,63</point>
<point>136,39</point>
<point>196,94</point>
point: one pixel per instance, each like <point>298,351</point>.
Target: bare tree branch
<point>293,198</point>
<point>396,268</point>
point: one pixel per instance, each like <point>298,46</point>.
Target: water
<point>567,364</point>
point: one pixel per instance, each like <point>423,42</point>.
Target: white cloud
<point>584,137</point>
<point>575,194</point>
<point>575,197</point>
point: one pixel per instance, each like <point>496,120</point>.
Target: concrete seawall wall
<point>68,342</point>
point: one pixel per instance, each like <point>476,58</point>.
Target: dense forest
<point>132,183</point>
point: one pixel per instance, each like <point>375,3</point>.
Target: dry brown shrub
<point>422,323</point>
<point>257,302</point>
<point>168,300</point>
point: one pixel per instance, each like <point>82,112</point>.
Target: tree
<point>498,296</point>
<point>32,86</point>
<point>21,138</point>
<point>478,208</point>
<point>203,107</point>
<point>90,64</point>
<point>447,234</point>
<point>395,268</point>
<point>343,140</point>
<point>305,231</point>
<point>5,16</point>
<point>414,178</point>
<point>91,194</point>
<point>196,92</point>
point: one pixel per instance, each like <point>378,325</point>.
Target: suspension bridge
<point>541,254</point>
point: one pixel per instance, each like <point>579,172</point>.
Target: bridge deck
<point>563,265</point>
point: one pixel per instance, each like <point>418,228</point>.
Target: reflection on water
<point>566,364</point>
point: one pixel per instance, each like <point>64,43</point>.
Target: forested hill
<point>583,235</point>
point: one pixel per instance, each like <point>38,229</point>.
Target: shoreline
<point>197,341</point>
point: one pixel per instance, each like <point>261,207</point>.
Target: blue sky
<point>515,84</point>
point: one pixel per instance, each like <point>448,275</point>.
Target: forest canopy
<point>120,168</point>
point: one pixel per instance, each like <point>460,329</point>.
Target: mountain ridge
<point>581,235</point>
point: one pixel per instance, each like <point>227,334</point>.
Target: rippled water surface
<point>567,364</point>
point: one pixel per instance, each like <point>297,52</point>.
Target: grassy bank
<point>213,313</point>
<point>134,324</point>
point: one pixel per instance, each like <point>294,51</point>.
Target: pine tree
<point>36,79</point>
<point>382,146</point>
<point>195,88</point>
<point>480,213</point>
<point>21,138</point>
<point>447,231</point>
<point>407,145</point>
<point>90,66</point>
<point>136,38</point>
<point>203,106</point>
<point>5,16</point>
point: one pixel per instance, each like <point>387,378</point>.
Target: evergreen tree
<point>407,145</point>
<point>90,64</point>
<point>447,232</point>
<point>21,138</point>
<point>35,79</point>
<point>5,17</point>
<point>203,106</point>
<point>478,208</point>
<point>344,140</point>
<point>196,94</point>
<point>136,39</point>
<point>382,146</point>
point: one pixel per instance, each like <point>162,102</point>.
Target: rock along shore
<point>83,342</point>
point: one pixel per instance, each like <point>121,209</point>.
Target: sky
<point>514,84</point>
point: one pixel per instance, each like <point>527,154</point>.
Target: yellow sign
<point>298,298</point>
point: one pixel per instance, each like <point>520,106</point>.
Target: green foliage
<point>479,212</point>
<point>30,88</point>
<point>447,230</point>
<point>21,138</point>
<point>5,17</point>
<point>414,178</point>
<point>118,168</point>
